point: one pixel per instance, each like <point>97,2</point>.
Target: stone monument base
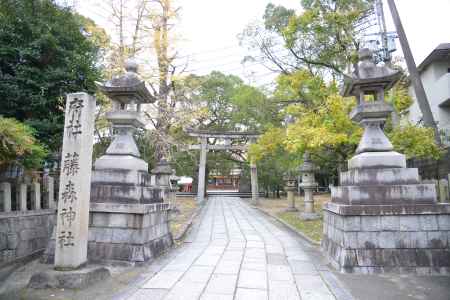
<point>388,238</point>
<point>128,232</point>
<point>76,279</point>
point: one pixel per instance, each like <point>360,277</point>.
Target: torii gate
<point>203,136</point>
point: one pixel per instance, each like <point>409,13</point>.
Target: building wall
<point>436,81</point>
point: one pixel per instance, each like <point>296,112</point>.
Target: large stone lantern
<point>290,187</point>
<point>381,218</point>
<point>129,222</point>
<point>308,184</point>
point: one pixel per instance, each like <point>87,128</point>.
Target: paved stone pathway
<point>236,252</point>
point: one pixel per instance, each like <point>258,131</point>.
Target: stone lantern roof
<point>368,75</point>
<point>127,88</point>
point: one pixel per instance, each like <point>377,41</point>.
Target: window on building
<point>448,70</point>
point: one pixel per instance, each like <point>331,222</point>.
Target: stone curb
<point>188,224</point>
<point>289,226</point>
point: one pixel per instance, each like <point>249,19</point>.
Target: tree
<point>18,145</point>
<point>322,39</point>
<point>44,54</point>
<point>324,129</point>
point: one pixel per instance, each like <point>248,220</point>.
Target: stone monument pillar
<point>75,183</point>
<point>381,218</point>
<point>308,184</point>
<point>129,221</point>
<point>290,187</point>
<point>71,235</point>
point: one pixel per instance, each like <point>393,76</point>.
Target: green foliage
<point>324,32</point>
<point>18,145</point>
<point>400,98</point>
<point>303,87</point>
<point>44,54</point>
<point>326,126</point>
<point>415,142</point>
<point>322,38</point>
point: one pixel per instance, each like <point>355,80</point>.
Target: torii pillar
<point>202,171</point>
<point>254,181</point>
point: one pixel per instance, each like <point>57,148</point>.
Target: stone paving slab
<point>235,252</point>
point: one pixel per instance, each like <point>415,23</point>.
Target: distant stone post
<point>22,195</point>
<point>6,188</point>
<point>36,195</point>
<point>50,190</point>
<point>75,183</point>
<point>290,188</point>
<point>443,190</point>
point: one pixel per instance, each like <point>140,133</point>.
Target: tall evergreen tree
<point>45,52</point>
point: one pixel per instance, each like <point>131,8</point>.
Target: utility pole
<point>414,73</point>
<point>383,31</point>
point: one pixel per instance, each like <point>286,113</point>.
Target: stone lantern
<point>173,179</point>
<point>162,172</point>
<point>374,149</point>
<point>308,184</point>
<point>127,93</point>
<point>381,217</point>
<point>290,187</point>
<point>129,221</point>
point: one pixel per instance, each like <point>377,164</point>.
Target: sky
<point>208,30</point>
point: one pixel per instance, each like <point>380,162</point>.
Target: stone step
<point>384,194</point>
<point>389,176</point>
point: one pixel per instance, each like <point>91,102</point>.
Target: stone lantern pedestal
<point>128,219</point>
<point>381,218</point>
<point>290,188</point>
<point>308,184</point>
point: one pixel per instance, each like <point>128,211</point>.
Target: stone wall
<point>24,234</point>
<point>404,243</point>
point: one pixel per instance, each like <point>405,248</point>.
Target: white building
<point>435,74</point>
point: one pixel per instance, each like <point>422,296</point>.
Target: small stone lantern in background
<point>308,184</point>
<point>162,172</point>
<point>290,187</point>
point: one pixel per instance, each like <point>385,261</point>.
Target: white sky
<point>209,30</point>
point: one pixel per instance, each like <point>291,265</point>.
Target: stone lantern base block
<point>309,216</point>
<point>121,162</point>
<point>133,233</point>
<point>372,160</point>
<point>76,279</point>
<point>388,238</point>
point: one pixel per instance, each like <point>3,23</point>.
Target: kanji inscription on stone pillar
<point>75,182</point>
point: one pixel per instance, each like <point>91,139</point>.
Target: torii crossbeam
<point>203,136</point>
